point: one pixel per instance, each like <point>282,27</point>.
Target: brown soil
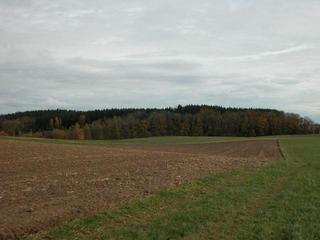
<point>42,184</point>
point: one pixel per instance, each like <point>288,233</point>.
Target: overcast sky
<point>87,54</point>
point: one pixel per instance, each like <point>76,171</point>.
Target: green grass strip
<point>295,212</point>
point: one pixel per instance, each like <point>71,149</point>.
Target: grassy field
<point>280,201</point>
<point>149,140</point>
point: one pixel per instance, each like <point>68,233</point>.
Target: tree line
<point>190,120</point>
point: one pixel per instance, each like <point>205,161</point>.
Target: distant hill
<point>189,120</point>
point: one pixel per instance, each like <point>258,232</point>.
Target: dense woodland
<point>190,120</point>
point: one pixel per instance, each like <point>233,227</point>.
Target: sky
<point>92,54</point>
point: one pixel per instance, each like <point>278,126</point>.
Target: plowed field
<point>42,184</point>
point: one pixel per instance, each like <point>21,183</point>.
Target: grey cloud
<point>89,54</point>
<point>173,65</point>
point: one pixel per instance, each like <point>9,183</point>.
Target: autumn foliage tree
<point>190,120</point>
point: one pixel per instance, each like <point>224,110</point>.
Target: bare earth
<point>42,184</point>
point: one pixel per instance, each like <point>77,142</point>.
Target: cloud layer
<point>84,54</point>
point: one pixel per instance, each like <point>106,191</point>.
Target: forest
<point>189,120</point>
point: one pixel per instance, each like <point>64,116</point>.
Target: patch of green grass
<point>279,201</point>
<point>150,140</point>
<point>293,213</point>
